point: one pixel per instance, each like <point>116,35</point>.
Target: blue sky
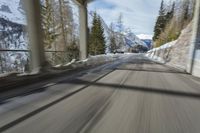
<point>139,15</point>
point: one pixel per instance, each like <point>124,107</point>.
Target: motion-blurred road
<point>133,95</point>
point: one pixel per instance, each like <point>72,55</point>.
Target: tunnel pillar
<point>194,54</point>
<point>83,20</point>
<point>35,34</point>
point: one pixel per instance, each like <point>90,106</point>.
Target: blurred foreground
<point>130,95</point>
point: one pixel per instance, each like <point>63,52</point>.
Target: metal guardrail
<point>21,50</point>
<point>13,50</point>
<point>24,51</point>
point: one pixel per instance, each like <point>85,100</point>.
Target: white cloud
<point>140,15</point>
<point>144,36</point>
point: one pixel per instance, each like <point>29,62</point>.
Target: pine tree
<point>162,9</point>
<point>120,31</point>
<point>97,37</point>
<point>61,6</point>
<point>186,5</point>
<point>72,51</point>
<point>92,36</point>
<point>48,24</point>
<point>113,45</point>
<point>170,13</point>
<point>160,23</point>
<point>102,42</point>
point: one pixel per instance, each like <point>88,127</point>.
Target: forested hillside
<point>173,18</point>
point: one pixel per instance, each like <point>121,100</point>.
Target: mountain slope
<point>12,11</point>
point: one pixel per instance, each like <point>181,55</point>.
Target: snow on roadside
<point>155,53</point>
<point>165,46</point>
<point>91,61</point>
<point>94,60</point>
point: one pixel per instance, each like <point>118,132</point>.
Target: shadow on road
<point>152,70</point>
<point>141,89</point>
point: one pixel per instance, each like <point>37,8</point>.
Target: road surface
<point>134,95</point>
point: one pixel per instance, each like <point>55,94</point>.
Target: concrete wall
<point>193,66</point>
<point>195,70</point>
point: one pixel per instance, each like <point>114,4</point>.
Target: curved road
<point>134,95</point>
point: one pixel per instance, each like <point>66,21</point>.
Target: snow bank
<point>174,53</point>
<point>161,53</point>
<point>165,46</point>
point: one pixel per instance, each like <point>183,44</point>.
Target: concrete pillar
<point>195,41</point>
<point>83,31</point>
<point>35,33</point>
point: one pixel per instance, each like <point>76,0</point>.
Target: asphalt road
<point>135,95</point>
